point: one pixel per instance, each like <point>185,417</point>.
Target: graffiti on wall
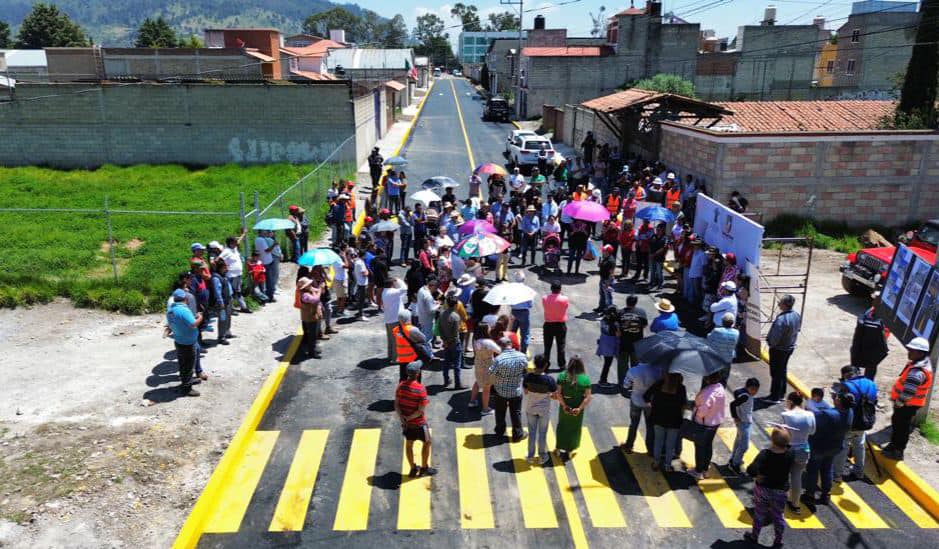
<point>261,150</point>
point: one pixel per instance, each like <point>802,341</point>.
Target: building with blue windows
<point>474,44</point>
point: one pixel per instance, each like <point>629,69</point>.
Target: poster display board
<point>928,315</point>
<point>909,303</point>
<point>728,230</point>
<point>896,277</point>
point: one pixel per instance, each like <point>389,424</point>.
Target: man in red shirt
<point>410,402</point>
<point>555,324</point>
<point>627,239</point>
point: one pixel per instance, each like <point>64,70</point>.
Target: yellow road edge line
<point>595,487</point>
<point>662,501</point>
<point>459,112</point>
<point>921,491</point>
<point>291,510</point>
<point>473,479</point>
<point>900,497</point>
<point>414,494</point>
<point>193,528</point>
<point>533,491</point>
<point>805,520</point>
<point>578,536</point>
<point>355,497</point>
<point>360,219</point>
<point>728,507</point>
<point>226,519</point>
<point>853,506</point>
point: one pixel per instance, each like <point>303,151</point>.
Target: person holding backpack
<point>865,408</point>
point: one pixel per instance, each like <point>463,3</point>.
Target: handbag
<point>695,432</point>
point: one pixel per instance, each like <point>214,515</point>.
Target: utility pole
<point>518,54</point>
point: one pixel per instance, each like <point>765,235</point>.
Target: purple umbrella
<point>475,226</point>
<point>586,210</point>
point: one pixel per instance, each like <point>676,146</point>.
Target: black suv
<point>497,108</point>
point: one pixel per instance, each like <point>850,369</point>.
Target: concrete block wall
<point>689,155</point>
<point>200,124</point>
<point>563,80</point>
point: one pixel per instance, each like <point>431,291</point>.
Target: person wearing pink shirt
<point>555,323</point>
<point>709,410</point>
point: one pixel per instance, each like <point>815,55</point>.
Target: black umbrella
<point>439,182</point>
<point>680,353</point>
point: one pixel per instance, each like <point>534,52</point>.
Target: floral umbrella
<point>481,245</point>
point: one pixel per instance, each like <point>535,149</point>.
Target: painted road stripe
<point>806,519</point>
<point>662,501</point>
<point>852,506</point>
<point>720,495</point>
<point>294,501</point>
<point>594,485</point>
<point>473,475</point>
<point>356,494</point>
<point>414,494</point>
<point>899,497</point>
<point>533,491</point>
<point>578,536</point>
<point>237,493</point>
<point>459,112</point>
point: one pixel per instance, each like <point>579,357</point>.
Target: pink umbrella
<point>586,210</point>
<point>474,226</point>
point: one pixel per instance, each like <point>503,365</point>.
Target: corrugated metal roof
<point>315,49</point>
<point>567,51</point>
<point>25,58</point>
<point>368,58</point>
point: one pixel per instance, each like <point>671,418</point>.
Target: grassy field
<point>66,254</point>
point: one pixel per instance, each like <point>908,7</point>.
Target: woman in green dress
<point>573,393</point>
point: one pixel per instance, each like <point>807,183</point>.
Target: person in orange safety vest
<point>909,394</point>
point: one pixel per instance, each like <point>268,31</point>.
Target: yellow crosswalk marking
<point>662,501</point>
<point>235,497</point>
<point>722,498</point>
<point>533,491</point>
<point>578,536</point>
<point>855,509</point>
<point>899,497</point>
<point>806,519</point>
<point>594,485</point>
<point>290,513</point>
<point>414,495</point>
<point>473,475</point>
<point>356,494</point>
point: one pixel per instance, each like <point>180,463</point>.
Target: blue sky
<point>722,15</point>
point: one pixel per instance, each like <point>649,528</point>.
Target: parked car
<point>523,149</point>
<point>457,72</point>
<point>437,72</point>
<point>864,271</point>
<point>497,108</point>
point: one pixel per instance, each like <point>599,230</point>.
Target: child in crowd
<point>258,277</point>
<point>741,409</point>
<point>539,388</point>
<point>770,471</point>
<point>817,400</point>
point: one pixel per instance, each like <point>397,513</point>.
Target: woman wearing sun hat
<point>667,319</point>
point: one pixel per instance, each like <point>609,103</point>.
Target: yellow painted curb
<point>192,529</point>
<point>360,219</point>
<point>918,489</point>
<point>516,124</point>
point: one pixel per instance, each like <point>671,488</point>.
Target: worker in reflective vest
<point>672,196</point>
<point>613,202</point>
<point>350,207</point>
<point>407,339</point>
<point>909,395</point>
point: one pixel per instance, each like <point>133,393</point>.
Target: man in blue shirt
<point>831,426</point>
<point>184,327</point>
<point>864,392</point>
<point>530,226</point>
<point>667,319</point>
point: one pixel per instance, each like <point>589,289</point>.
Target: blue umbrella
<point>319,256</point>
<point>656,213</point>
<point>396,161</point>
<point>274,224</point>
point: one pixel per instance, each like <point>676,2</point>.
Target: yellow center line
<point>459,113</point>
<point>578,536</point>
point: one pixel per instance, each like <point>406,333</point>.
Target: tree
<point>504,21</point>
<point>320,24</point>
<point>918,97</point>
<point>47,27</point>
<point>155,33</point>
<point>395,33</point>
<point>468,16</point>
<point>432,41</point>
<point>5,40</point>
<point>192,42</point>
<point>429,26</point>
<point>665,83</point>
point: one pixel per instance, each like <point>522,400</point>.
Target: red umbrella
<point>586,210</point>
<point>490,168</point>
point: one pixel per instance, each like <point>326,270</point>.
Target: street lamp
<point>518,73</point>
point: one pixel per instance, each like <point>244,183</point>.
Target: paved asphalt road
<point>331,432</point>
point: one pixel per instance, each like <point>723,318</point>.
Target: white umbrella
<point>510,293</point>
<point>425,197</point>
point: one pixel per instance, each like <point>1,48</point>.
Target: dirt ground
<point>825,342</point>
<point>96,449</point>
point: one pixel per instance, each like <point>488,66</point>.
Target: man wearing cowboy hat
<point>529,227</point>
<point>310,315</point>
<point>667,319</point>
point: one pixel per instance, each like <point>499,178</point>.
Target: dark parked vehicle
<point>497,109</point>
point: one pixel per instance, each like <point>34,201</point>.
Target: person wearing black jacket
<point>770,470</point>
<point>869,345</point>
<point>375,161</point>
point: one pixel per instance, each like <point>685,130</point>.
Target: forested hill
<point>113,22</point>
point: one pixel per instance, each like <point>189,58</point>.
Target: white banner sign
<point>728,231</point>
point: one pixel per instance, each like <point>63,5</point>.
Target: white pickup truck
<point>523,146</point>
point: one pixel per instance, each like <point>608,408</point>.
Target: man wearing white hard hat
<point>909,395</point>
